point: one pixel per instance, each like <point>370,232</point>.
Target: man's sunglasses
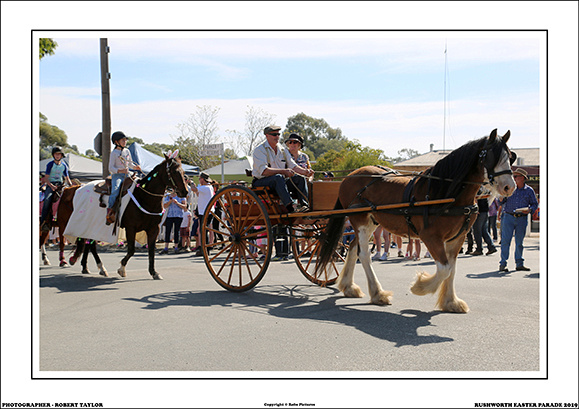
<point>274,134</point>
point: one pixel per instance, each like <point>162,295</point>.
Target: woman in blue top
<point>175,206</point>
<point>56,175</point>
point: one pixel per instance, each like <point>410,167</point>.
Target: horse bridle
<point>487,158</point>
<point>173,184</point>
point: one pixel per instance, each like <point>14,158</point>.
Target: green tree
<point>319,136</point>
<point>47,47</point>
<point>51,135</point>
<point>352,156</point>
<point>404,154</point>
<point>229,153</point>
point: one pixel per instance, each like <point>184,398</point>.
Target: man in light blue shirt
<point>514,219</point>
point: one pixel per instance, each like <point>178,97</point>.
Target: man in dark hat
<point>273,165</point>
<point>514,220</point>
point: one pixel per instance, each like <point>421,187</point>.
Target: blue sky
<point>384,89</point>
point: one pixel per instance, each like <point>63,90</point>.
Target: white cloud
<point>389,127</point>
<point>394,48</point>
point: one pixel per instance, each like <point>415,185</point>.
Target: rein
<point>141,186</point>
<point>141,207</point>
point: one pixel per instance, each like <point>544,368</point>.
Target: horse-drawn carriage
<point>245,217</point>
<point>438,206</point>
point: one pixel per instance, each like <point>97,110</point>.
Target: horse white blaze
<point>503,185</point>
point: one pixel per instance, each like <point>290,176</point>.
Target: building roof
<point>525,157</point>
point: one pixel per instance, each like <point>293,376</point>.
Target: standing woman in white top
<point>205,192</point>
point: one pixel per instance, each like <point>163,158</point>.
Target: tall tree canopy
<point>352,156</point>
<point>51,135</point>
<point>47,47</point>
<point>319,136</point>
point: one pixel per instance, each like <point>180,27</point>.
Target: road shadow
<point>500,274</point>
<point>311,303</point>
<point>77,282</point>
<point>490,274</point>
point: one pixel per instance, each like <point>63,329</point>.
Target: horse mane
<point>457,165</point>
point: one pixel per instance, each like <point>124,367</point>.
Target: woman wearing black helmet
<point>119,163</point>
<point>56,175</point>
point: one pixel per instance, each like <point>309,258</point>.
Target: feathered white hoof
<point>157,276</point>
<point>382,298</point>
<point>457,306</point>
<point>47,262</point>
<point>352,291</point>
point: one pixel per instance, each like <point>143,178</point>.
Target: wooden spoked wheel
<point>238,259</point>
<point>306,246</point>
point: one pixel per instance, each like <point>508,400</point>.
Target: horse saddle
<point>105,187</point>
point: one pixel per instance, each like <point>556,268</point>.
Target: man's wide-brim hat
<point>204,175</point>
<point>271,128</point>
<point>521,172</point>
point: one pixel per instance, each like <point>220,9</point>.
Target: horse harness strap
<point>361,191</point>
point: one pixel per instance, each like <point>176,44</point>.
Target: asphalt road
<point>187,322</point>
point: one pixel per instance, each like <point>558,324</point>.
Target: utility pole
<point>106,106</point>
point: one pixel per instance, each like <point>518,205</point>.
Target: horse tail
<point>330,238</point>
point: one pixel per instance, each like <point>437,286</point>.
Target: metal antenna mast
<point>444,121</point>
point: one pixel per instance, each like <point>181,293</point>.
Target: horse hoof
<point>383,298</point>
<point>85,271</point>
<point>352,291</point>
<point>46,262</point>
<point>122,272</point>
<point>157,276</point>
<point>72,260</point>
<point>63,264</point>
<point>104,273</point>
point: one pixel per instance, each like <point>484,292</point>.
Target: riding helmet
<point>57,149</point>
<point>117,136</point>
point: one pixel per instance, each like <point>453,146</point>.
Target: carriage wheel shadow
<point>307,302</point>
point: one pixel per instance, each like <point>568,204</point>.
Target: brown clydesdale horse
<point>442,228</point>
